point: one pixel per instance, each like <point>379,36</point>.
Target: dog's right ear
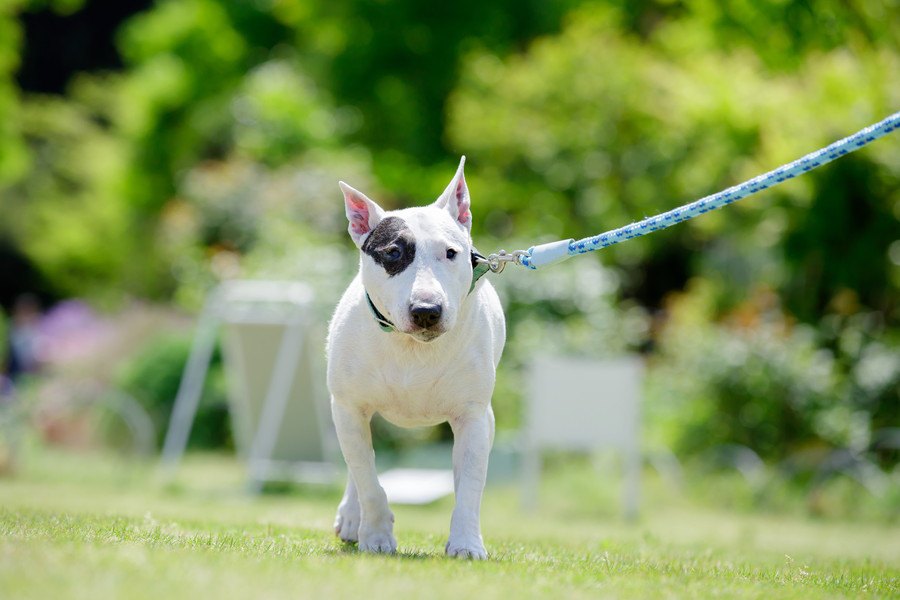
<point>363,214</point>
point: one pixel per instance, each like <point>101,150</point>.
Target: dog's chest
<point>412,394</point>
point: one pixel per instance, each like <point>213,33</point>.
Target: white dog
<point>416,338</point>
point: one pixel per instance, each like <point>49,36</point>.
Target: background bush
<point>152,378</point>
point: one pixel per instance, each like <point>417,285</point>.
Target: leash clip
<point>497,261</point>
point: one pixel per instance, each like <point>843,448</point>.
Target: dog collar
<point>383,322</point>
<point>479,268</point>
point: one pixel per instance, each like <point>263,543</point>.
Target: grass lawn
<point>74,526</point>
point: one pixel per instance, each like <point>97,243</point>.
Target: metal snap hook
<point>497,261</point>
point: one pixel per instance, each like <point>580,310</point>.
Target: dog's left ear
<point>455,198</point>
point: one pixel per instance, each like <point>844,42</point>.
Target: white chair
<point>275,380</point>
<point>588,405</point>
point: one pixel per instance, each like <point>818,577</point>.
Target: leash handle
<point>546,254</point>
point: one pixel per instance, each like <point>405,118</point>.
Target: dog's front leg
<point>346,522</point>
<point>472,439</point>
<point>376,520</point>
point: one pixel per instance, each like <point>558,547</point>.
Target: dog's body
<point>436,362</point>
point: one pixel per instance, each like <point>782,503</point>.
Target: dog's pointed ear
<point>455,198</point>
<point>364,214</point>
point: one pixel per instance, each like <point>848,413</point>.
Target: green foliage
<point>110,160</point>
<point>836,251</point>
<point>866,354</point>
<point>759,381</point>
<point>66,213</point>
<point>13,157</point>
<point>280,113</point>
<point>763,386</point>
<point>782,34</point>
<point>187,59</point>
<point>153,377</point>
<point>396,62</point>
<point>238,218</point>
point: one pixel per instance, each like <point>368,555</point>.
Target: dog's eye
<point>451,253</point>
<point>392,253</point>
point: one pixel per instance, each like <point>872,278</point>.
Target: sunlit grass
<point>81,526</point>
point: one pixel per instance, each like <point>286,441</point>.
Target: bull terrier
<point>416,337</point>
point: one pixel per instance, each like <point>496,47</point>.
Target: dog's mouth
<point>425,335</point>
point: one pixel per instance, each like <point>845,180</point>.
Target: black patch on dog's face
<point>392,245</point>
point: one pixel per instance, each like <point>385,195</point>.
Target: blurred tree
<point>66,213</point>
<point>756,382</point>
<point>213,79</point>
<point>66,37</point>
<point>397,61</point>
<point>13,156</point>
<point>153,376</point>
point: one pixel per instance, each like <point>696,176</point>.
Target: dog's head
<point>415,263</point>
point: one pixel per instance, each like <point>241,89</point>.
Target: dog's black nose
<point>426,315</point>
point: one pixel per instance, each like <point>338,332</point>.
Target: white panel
<point>251,351</point>
<point>584,404</point>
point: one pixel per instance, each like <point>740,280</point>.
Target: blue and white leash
<point>546,254</point>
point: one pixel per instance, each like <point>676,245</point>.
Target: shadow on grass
<point>351,548</point>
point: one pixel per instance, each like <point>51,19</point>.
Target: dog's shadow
<point>350,548</point>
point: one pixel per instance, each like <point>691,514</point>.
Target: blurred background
<point>150,150</point>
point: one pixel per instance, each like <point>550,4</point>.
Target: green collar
<point>479,268</point>
<point>382,320</point>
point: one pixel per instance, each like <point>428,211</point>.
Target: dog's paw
<point>346,522</point>
<point>463,547</point>
<point>377,540</point>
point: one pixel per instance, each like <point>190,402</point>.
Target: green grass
<point>87,527</point>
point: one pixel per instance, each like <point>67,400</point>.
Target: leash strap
<point>546,254</point>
